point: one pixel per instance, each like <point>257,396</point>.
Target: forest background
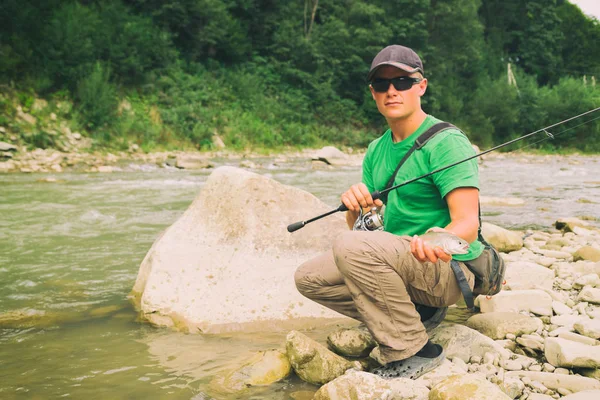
<point>266,74</point>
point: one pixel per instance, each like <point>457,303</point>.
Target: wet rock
<point>213,271</point>
<point>587,253</point>
<point>568,224</point>
<point>191,161</point>
<point>264,368</point>
<point>248,164</point>
<point>565,353</point>
<point>589,328</point>
<point>466,387</point>
<point>313,362</point>
<point>352,342</point>
<point>302,395</point>
<point>365,386</point>
<point>534,300</point>
<point>555,381</point>
<point>463,342</point>
<point>105,168</point>
<point>522,275</point>
<point>502,239</point>
<point>497,325</point>
<point>331,156</point>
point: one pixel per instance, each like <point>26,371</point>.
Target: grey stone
<point>366,386</point>
<point>352,342</point>
<point>466,387</point>
<point>565,353</point>
<point>555,381</point>
<point>7,147</point>
<point>313,362</point>
<point>502,239</point>
<point>463,342</point>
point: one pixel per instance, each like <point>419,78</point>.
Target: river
<point>70,252</point>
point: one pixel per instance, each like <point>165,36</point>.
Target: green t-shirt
<point>418,206</point>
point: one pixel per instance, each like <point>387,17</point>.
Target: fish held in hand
<point>450,243</point>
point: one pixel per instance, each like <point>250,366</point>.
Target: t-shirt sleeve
<point>452,148</point>
<point>367,170</point>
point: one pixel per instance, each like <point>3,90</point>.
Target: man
<point>378,277</point>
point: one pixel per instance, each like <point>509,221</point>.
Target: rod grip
<point>375,195</point>
<point>295,226</point>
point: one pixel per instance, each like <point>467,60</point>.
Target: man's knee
<point>302,280</point>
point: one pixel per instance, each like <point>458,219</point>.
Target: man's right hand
<point>358,196</point>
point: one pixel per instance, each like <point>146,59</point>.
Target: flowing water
<point>70,252</point>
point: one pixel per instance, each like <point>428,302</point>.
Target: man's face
<point>394,104</point>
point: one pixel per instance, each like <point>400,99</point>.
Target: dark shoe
<point>431,317</point>
<point>412,368</point>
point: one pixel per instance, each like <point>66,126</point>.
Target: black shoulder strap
<point>418,145</point>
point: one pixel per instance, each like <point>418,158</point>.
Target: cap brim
<point>402,66</point>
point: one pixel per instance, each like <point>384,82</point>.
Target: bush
<point>97,98</point>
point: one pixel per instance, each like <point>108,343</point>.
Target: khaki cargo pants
<point>374,278</point>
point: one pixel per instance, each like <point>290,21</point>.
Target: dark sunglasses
<point>400,83</point>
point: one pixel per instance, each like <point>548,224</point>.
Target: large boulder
<point>228,262</point>
<point>313,362</point>
<point>502,239</point>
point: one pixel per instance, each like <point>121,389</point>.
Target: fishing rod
<point>378,194</point>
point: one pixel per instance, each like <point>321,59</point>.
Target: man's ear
<point>372,92</point>
<point>422,87</point>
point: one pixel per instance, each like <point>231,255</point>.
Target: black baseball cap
<point>396,56</point>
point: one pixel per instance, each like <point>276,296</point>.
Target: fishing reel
<point>369,221</point>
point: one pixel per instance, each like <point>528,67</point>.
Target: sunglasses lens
<point>381,85</point>
<point>402,84</point>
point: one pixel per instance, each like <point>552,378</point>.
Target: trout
<point>450,243</point>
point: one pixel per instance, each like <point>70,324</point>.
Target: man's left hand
<point>422,252</point>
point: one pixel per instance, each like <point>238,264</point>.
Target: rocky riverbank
<point>536,340</point>
<point>15,159</point>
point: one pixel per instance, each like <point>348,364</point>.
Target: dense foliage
<point>270,73</point>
